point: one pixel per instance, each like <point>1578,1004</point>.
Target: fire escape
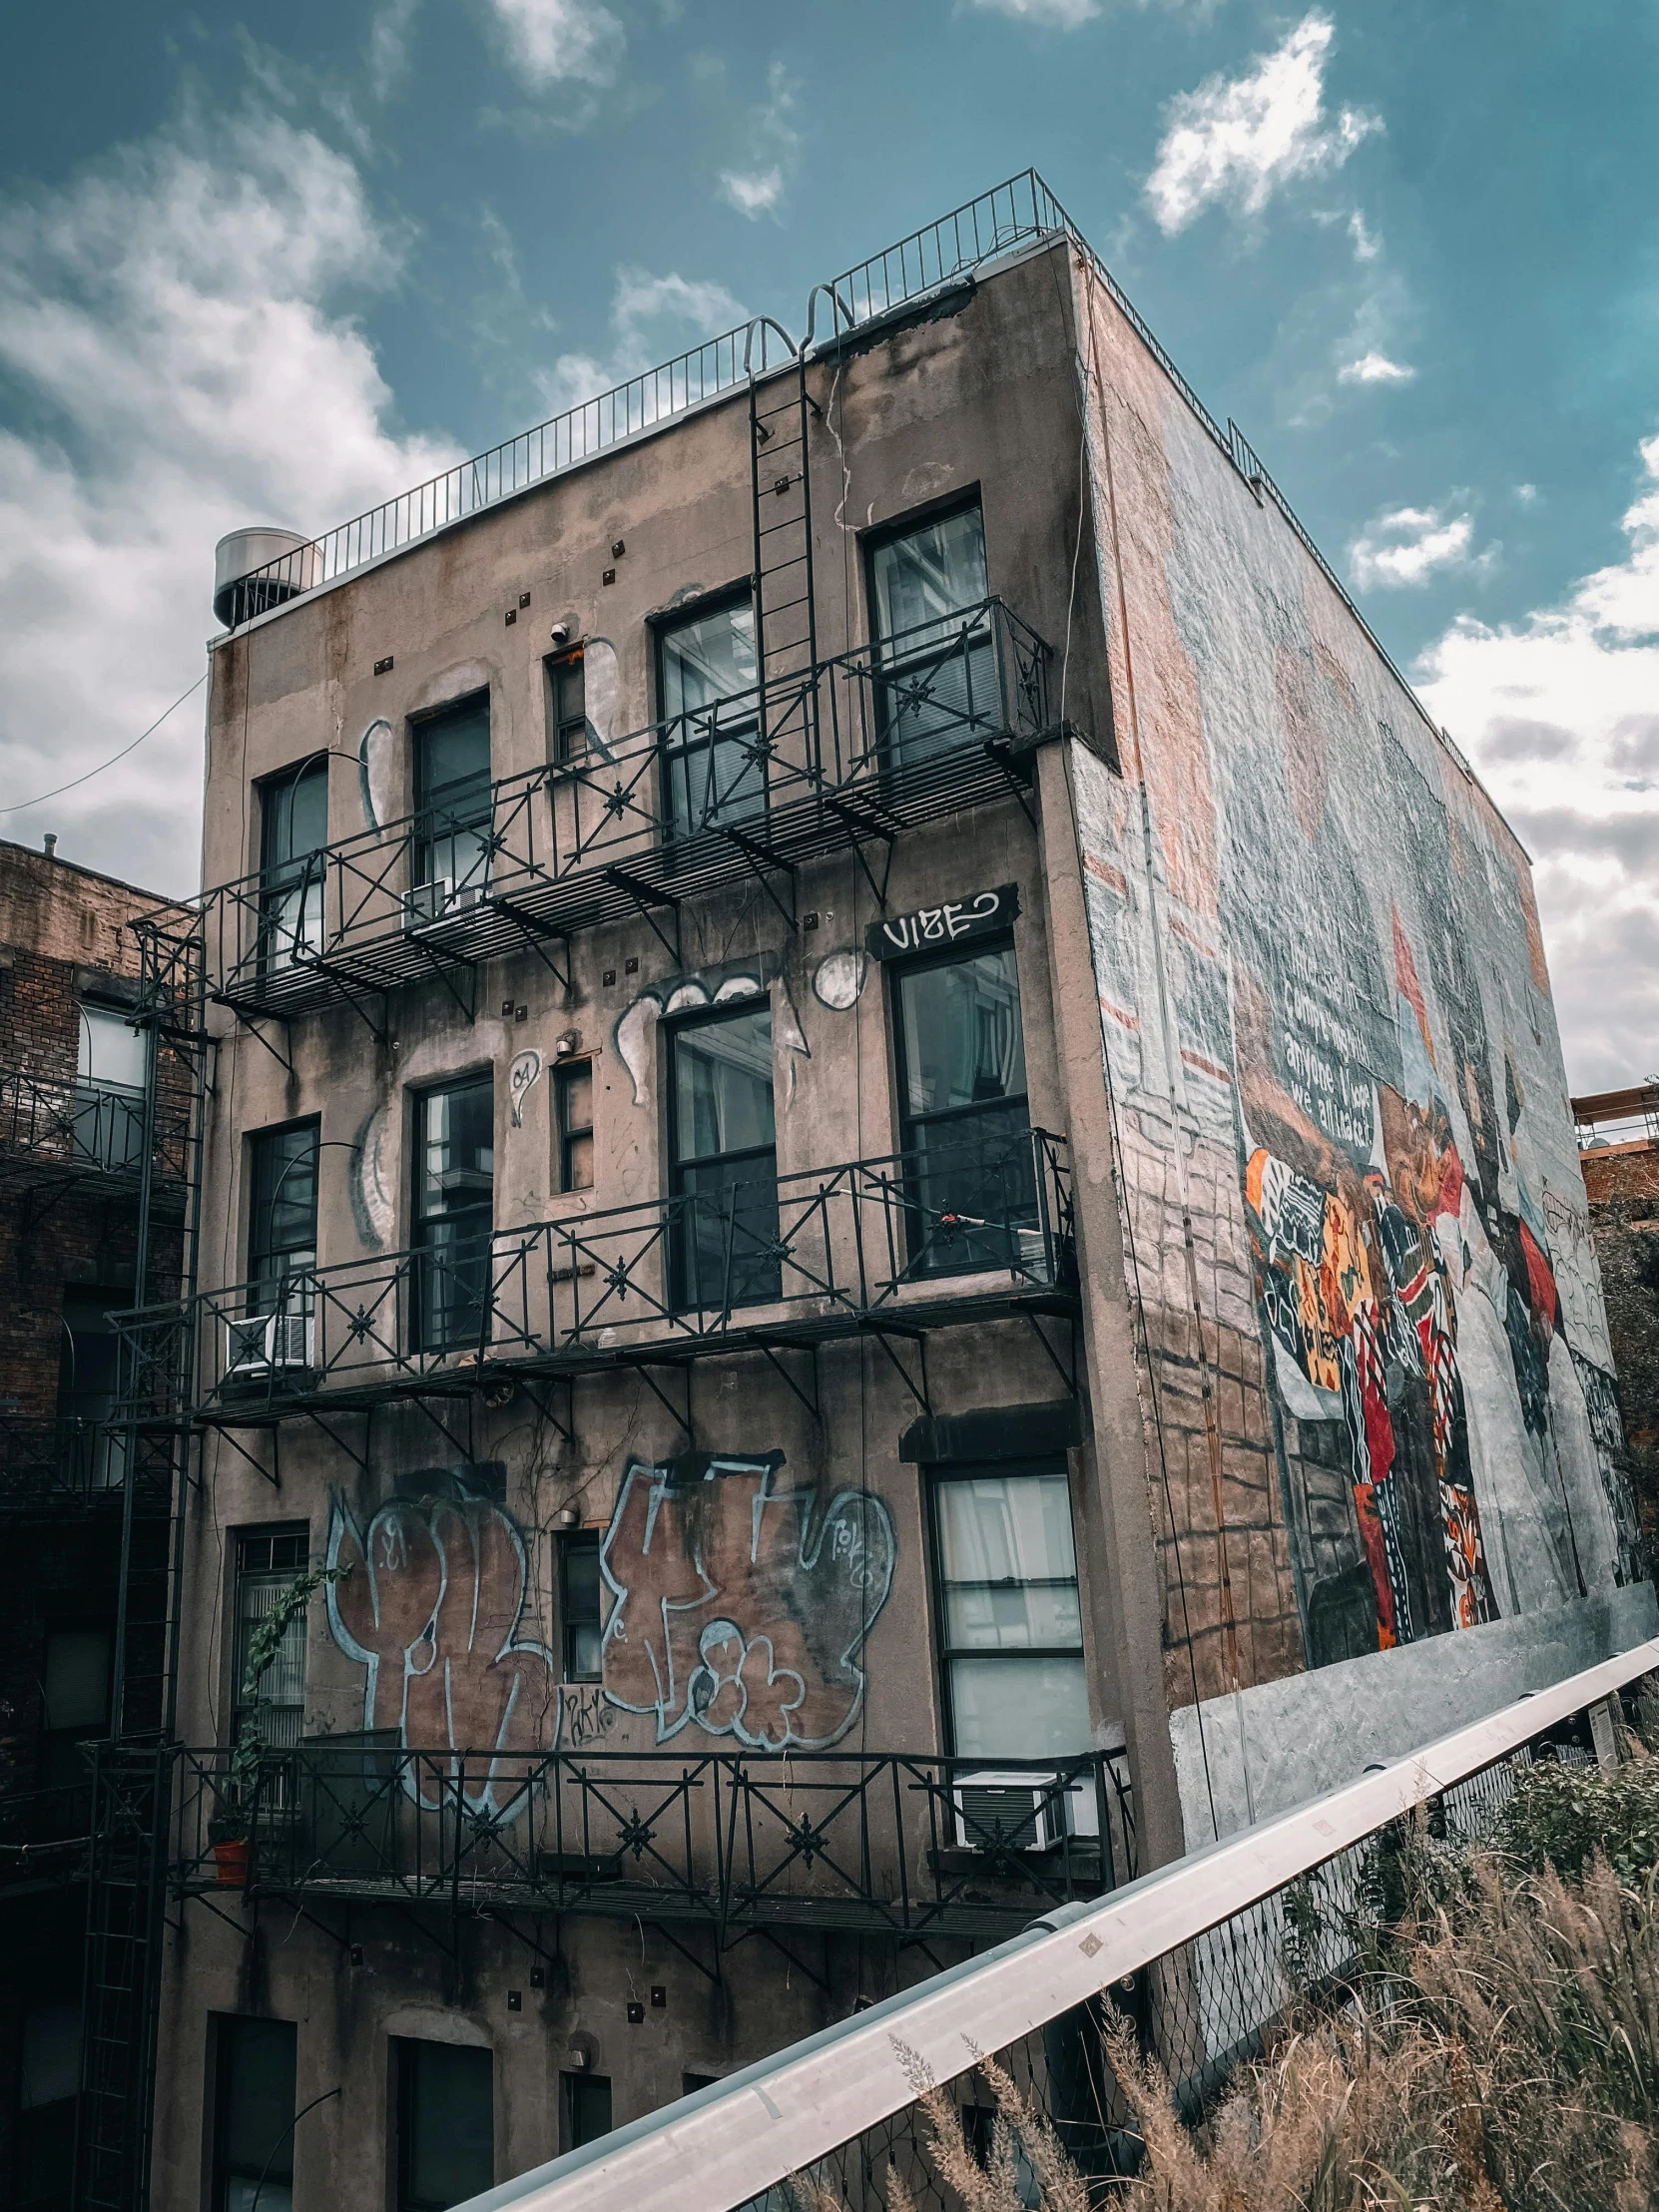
<point>710,1848</point>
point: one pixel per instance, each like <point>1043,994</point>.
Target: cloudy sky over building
<point>282,265</point>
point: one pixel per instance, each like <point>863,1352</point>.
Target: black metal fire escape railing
<point>58,1129</point>
<point>845,753</point>
<point>880,1844</point>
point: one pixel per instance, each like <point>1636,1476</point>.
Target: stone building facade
<point>889,1223</point>
<point>1619,1135</point>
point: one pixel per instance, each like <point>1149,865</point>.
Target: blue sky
<point>280,264</point>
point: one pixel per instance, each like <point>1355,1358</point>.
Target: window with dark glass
<point>48,2078</point>
<point>573,1100</point>
<point>254,2115</point>
<point>74,1699</point>
<point>724,1161</point>
<point>707,679</point>
<point>109,1091</point>
<point>964,1125</point>
<point>936,651</point>
<point>452,809</point>
<point>581,1604</point>
<point>282,1219</point>
<point>445,2124</point>
<point>1011,1629</point>
<point>568,707</point>
<point>454,1198</point>
<point>587,2101</point>
<point>266,1561</point>
<point>293,833</point>
<point>90,1454</point>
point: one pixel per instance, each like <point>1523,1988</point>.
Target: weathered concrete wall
<point>1377,1366</point>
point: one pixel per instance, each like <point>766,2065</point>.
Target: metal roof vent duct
<point>255,570</point>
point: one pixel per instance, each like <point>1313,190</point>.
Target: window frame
<point>481,1078</point>
<point>566,1132</point>
<point>567,1542</point>
<point>871,541</point>
<point>253,1253</point>
<point>681,1198</point>
<point>555,665</point>
<point>299,875</point>
<point>296,1538</point>
<point>224,2026</point>
<point>422,802</point>
<point>738,593</point>
<point>952,1470</point>
<point>405,2070</point>
<point>570,2086</point>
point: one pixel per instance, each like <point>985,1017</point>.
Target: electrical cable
<point>20,805</point>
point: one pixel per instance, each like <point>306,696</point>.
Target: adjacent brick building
<point>73,1092</point>
<point>1618,1133</point>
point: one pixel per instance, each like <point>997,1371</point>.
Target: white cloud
<point>1560,714</point>
<point>176,321</point>
<point>388,45</point>
<point>1525,494</point>
<point>1367,243</point>
<point>561,41</point>
<point>1374,369</point>
<point>754,193</point>
<point>1059,15</point>
<point>1406,546</point>
<point>771,143</point>
<point>1238,141</point>
<point>652,319</point>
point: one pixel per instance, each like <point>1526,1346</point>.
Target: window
<point>936,652</point>
<point>75,1699</point>
<point>253,2116</point>
<point>445,2124</point>
<point>964,1126</point>
<point>581,1605</point>
<point>293,833</point>
<point>573,1097</point>
<point>282,1218</point>
<point>1012,1630</point>
<point>723,1162</point>
<point>48,2078</point>
<point>89,1456</point>
<point>454,1198</point>
<point>707,679</point>
<point>266,1561</point>
<point>587,2101</point>
<point>454,807</point>
<point>109,1091</point>
<point>567,707</point>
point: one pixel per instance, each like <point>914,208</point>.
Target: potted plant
<point>228,1830</point>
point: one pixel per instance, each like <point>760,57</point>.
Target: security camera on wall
<point>560,633</point>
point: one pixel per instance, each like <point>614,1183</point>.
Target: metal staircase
<point>785,617</point>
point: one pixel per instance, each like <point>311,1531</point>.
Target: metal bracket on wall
<point>864,830</point>
<point>814,1405</point>
<point>647,897</point>
<point>883,1333</point>
<point>1067,1373</point>
<point>419,1400</point>
<point>538,935</point>
<point>710,1973</point>
<point>667,1403</point>
<point>272,1474</point>
<point>446,971</point>
<point>359,1458</point>
<point>543,1403</point>
<point>818,1980</point>
<point>763,864</point>
<point>251,1022</point>
<point>537,1950</point>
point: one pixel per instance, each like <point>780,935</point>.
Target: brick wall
<point>1622,1184</point>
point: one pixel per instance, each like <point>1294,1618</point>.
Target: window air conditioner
<point>439,901</point>
<point>267,1343</point>
<point>1022,1812</point>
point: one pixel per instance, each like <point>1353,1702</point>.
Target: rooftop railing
<point>852,750</point>
<point>978,1226</point>
<point>729,1840</point>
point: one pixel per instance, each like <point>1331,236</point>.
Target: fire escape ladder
<point>785,613</point>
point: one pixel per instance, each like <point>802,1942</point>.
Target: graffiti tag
<point>946,925</point>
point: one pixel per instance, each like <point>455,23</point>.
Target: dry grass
<point>1497,2051</point>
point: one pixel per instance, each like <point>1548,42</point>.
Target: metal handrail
<point>767,769</point>
<point>747,2133</point>
<point>84,1127</point>
<point>54,1462</point>
<point>819,1249</point>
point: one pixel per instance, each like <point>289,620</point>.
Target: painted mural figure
<point>432,1611</point>
<point>738,1607</point>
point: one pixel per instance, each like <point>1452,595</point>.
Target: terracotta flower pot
<point>230,1864</point>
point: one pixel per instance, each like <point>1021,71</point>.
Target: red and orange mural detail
<point>737,1606</point>
<point>432,1610</point>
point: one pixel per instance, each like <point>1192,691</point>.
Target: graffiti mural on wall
<point>737,1609</point>
<point>1320,973</point>
<point>432,1610</point>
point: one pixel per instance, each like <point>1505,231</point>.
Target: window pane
<point>452,749</point>
<point>110,1051</point>
<point>457,1166</point>
<point>295,816</point>
<point>709,657</point>
<point>282,1224</point>
<point>1018,1708</point>
<point>1006,1529</point>
<point>450,2122</point>
<point>588,2109</point>
<point>256,2110</point>
<point>581,1600</point>
<point>722,1087</point>
<point>962,1040</point>
<point>570,729</point>
<point>77,1683</point>
<point>930,572</point>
